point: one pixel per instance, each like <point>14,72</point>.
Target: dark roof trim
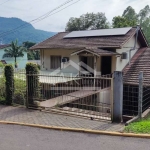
<point>95,51</point>
<point>77,52</point>
<point>4,46</point>
<point>146,43</point>
<point>141,37</point>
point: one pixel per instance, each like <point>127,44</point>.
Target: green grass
<point>142,126</point>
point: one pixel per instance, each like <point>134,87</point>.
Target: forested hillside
<point>23,31</point>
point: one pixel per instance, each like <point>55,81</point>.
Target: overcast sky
<point>30,9</point>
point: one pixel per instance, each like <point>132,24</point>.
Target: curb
<point>80,130</point>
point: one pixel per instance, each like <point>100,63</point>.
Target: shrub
<point>39,67</point>
<point>20,91</point>
<point>19,97</point>
<point>1,65</point>
<point>32,72</point>
<point>9,83</point>
<point>2,90</point>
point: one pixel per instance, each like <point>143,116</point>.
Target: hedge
<point>33,85</point>
<point>9,83</point>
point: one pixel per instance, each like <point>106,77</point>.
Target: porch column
<point>117,103</point>
<point>95,66</point>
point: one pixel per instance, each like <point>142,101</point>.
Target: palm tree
<point>15,51</point>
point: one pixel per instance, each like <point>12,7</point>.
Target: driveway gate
<point>84,96</point>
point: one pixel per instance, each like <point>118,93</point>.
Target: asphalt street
<point>13,137</point>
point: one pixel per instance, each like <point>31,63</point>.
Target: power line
<point>4,2</point>
<point>39,18</point>
<point>24,24</point>
<point>54,12</point>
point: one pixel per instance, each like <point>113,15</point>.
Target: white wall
<point>65,67</point>
<point>121,63</point>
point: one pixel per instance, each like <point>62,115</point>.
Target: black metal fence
<point>130,99</point>
<point>136,97</point>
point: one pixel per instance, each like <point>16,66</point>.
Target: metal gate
<point>84,96</point>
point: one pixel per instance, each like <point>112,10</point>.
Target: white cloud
<point>28,10</point>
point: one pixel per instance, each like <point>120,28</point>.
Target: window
<point>55,62</point>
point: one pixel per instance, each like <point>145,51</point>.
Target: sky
<point>29,10</point>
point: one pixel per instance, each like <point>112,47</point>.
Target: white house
<point>104,50</point>
<point>98,52</point>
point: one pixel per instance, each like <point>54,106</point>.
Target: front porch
<point>88,62</point>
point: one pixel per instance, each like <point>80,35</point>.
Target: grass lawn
<point>142,126</point>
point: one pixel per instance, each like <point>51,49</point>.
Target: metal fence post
<point>140,98</point>
<point>27,91</point>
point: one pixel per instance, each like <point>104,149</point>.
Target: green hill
<point>26,33</point>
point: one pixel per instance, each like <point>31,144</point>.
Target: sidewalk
<point>23,115</point>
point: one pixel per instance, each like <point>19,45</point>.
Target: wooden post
<point>95,66</point>
<point>95,70</point>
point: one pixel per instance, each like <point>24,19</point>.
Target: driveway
<point>23,115</point>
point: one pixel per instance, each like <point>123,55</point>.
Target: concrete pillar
<point>140,98</point>
<point>117,96</point>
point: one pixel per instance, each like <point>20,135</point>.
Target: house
<point>100,51</point>
<point>96,52</point>
<point>21,61</point>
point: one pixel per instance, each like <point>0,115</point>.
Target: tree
<point>129,18</point>
<point>15,51</point>
<point>119,22</point>
<point>130,14</point>
<point>32,55</point>
<point>144,14</point>
<point>88,21</point>
<point>28,44</point>
<point>144,21</point>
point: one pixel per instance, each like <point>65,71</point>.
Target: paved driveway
<point>23,115</point>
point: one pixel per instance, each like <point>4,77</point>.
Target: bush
<point>20,91</point>
<point>32,72</point>
<point>19,97</point>
<point>39,67</point>
<point>2,90</point>
<point>9,83</point>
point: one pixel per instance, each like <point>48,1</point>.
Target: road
<point>14,137</point>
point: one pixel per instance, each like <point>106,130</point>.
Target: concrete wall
<point>20,60</point>
<point>121,63</point>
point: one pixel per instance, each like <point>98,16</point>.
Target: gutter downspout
<point>137,32</point>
